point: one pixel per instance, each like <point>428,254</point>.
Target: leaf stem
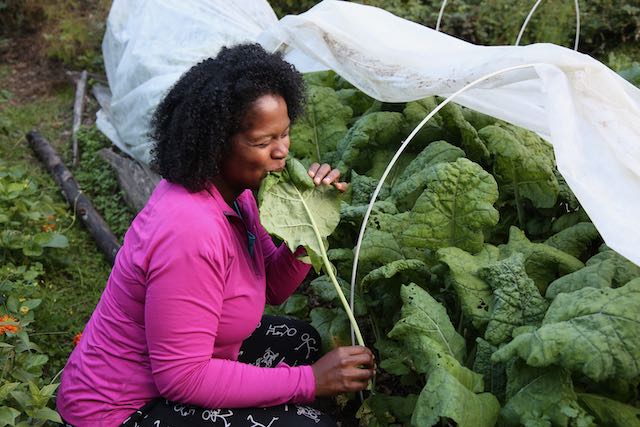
<point>329,270</point>
<point>345,303</point>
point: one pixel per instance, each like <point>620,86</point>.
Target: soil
<point>31,74</point>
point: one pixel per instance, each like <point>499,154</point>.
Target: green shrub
<point>29,237</point>
<point>74,30</point>
<point>605,24</point>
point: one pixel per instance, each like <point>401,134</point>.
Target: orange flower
<point>50,225</point>
<point>76,339</point>
<point>8,328</point>
<point>48,228</point>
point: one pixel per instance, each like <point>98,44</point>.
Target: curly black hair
<point>193,125</point>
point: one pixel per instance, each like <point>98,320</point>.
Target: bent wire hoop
<point>374,197</point>
<point>526,21</point>
<point>444,4</point>
<point>532,11</point>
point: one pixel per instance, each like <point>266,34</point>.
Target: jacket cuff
<point>308,385</point>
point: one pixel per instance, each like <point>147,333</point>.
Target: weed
<point>97,180</point>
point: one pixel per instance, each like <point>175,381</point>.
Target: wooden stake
<point>82,206</point>
<point>136,180</point>
<point>102,94</point>
<point>78,105</point>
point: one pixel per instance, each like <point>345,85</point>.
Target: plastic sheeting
<point>590,115</point>
<point>149,44</point>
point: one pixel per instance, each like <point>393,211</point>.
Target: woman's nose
<point>281,149</point>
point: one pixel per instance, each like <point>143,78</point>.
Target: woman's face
<point>260,147</point>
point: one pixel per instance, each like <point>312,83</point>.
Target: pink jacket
<point>182,296</point>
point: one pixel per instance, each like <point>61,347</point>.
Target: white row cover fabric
<point>590,115</point>
<point>149,44</point>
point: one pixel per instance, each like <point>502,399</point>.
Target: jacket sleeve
<point>185,288</point>
<point>284,271</point>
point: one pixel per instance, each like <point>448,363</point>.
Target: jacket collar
<point>222,204</point>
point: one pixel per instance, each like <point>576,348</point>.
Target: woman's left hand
<point>323,174</point>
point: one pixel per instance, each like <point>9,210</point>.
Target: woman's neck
<point>226,191</point>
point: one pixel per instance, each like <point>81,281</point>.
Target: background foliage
<point>72,29</point>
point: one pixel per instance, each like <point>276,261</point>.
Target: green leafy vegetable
<point>609,412</point>
<point>494,374</point>
<point>599,275</point>
<point>447,226</point>
<point>296,305</point>
<point>362,188</point>
<point>402,271</point>
<point>624,270</point>
<point>537,397</point>
<point>474,293</point>
<point>303,215</point>
<point>593,331</point>
<point>448,124</point>
<point>445,397</point>
<point>415,112</point>
<point>297,211</point>
<point>543,263</point>
<point>323,288</point>
<point>333,327</point>
<point>358,101</point>
<point>371,131</point>
<point>454,209</point>
<point>523,165</point>
<point>382,410</point>
<point>431,340</point>
<point>323,125</point>
<point>517,300</point>
<point>575,239</point>
<point>415,176</point>
<point>469,139</point>
<point>381,288</point>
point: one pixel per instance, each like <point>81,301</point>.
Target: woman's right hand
<point>344,369</point>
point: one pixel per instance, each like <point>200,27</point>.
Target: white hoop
<point>526,21</point>
<point>444,3</point>
<point>533,9</point>
<point>354,271</point>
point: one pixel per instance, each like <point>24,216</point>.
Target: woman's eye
<point>261,143</point>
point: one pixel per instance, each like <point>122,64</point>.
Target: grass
<point>75,277</point>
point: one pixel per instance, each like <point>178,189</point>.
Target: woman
<point>178,336</point>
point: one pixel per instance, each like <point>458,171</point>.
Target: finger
<point>321,173</point>
<point>341,186</point>
<point>332,176</point>
<point>360,374</point>
<point>363,359</point>
<point>357,385</point>
<point>357,349</point>
<point>313,169</point>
